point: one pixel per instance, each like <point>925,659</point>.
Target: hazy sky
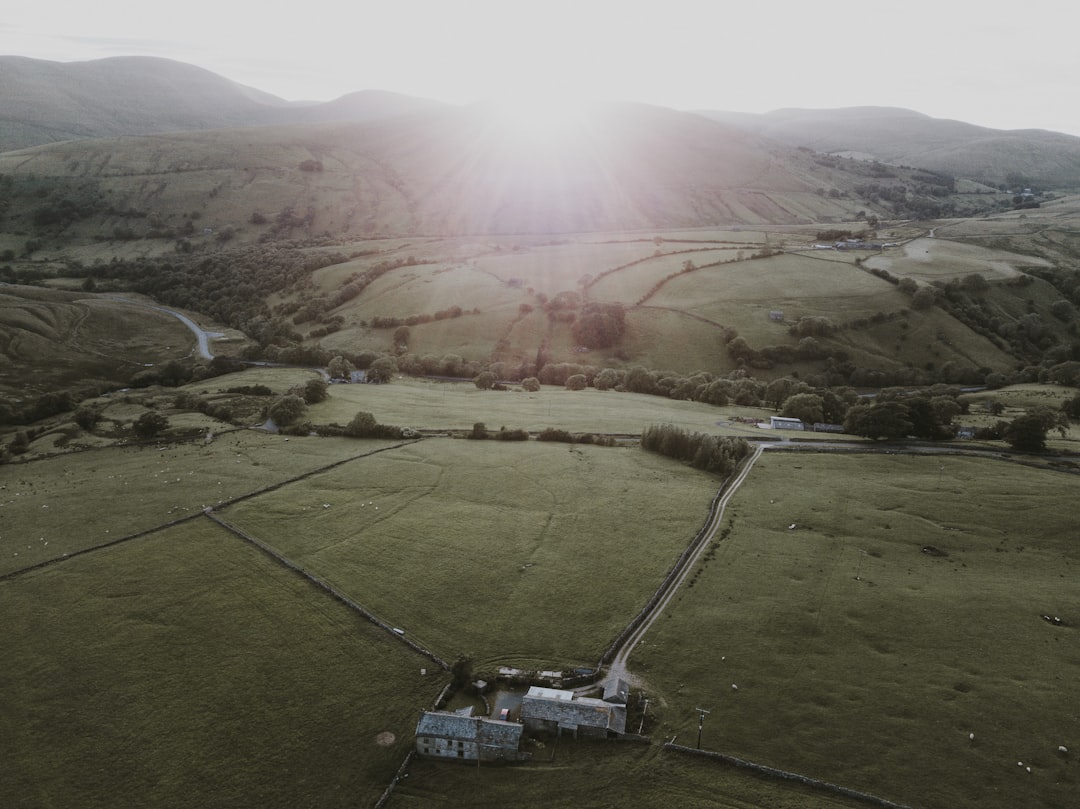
<point>1007,66</point>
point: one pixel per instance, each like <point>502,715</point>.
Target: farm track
<point>637,630</point>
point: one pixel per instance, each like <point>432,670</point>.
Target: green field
<point>587,774</point>
<point>188,669</point>
<point>863,660</point>
<point>859,658</point>
<point>491,550</point>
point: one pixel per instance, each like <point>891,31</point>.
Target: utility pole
<point>701,721</point>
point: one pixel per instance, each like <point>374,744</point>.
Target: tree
<point>884,421</point>
<point>339,368</point>
<point>607,379</point>
<point>287,410</point>
<point>1026,433</point>
<point>485,380</point>
<point>1071,408</point>
<point>576,382</point>
<point>479,431</point>
<point>531,384</point>
<point>87,418</point>
<point>401,337</point>
<point>150,425</point>
<point>363,424</point>
<point>382,370</point>
<point>314,391</point>
<point>807,407</point>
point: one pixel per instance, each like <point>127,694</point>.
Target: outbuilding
<point>783,423</point>
<point>551,710</point>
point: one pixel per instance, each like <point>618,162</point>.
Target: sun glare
<point>541,122</point>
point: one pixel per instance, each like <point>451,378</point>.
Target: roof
<point>488,732</point>
<point>616,690</point>
<point>573,713</point>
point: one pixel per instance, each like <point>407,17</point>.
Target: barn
<point>550,710</point>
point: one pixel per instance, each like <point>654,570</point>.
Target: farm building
<point>464,737</point>
<point>616,691</point>
<point>782,423</point>
<point>553,711</point>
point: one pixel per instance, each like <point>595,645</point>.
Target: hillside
<point>436,173</point>
<point>1016,158</point>
<point>46,102</point>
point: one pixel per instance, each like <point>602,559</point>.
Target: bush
<point>576,382</point>
<point>287,410</point>
<point>150,425</point>
<point>531,384</point>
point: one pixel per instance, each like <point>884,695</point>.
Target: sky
<point>1006,66</point>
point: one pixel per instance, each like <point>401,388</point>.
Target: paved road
<point>203,337</point>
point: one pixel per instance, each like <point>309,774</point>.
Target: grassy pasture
<point>557,268</point>
<point>576,774</point>
<point>931,259</point>
<point>67,503</point>
<point>188,669</point>
<point>631,284</point>
<point>508,552</point>
<point>458,405</point>
<point>50,340</point>
<point>862,660</point>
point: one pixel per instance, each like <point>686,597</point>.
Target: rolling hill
<point>46,102</point>
<point>1016,158</point>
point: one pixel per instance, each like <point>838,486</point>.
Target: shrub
<point>287,410</point>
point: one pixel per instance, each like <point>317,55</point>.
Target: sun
<point>546,121</point>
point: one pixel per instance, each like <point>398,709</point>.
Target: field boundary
<point>773,772</point>
<point>329,588</point>
<point>172,523</point>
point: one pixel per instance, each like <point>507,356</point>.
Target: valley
<point>306,423</point>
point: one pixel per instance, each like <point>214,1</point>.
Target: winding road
<point>201,336</point>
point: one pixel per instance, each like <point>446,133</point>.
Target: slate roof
<point>487,732</point>
<point>574,713</point>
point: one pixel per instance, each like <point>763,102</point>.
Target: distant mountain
<point>458,170</point>
<point>897,136</point>
<point>45,102</point>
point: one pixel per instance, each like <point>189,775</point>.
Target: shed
<point>783,423</point>
<point>616,691</point>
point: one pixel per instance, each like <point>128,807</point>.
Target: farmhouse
<point>553,711</point>
<point>783,423</point>
<point>465,737</point>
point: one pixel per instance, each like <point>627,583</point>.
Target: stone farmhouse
<point>464,737</point>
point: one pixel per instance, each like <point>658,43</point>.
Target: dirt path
<point>618,667</point>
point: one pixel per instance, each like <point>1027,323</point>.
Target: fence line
<point>773,772</point>
<point>329,588</point>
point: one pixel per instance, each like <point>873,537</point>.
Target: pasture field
<point>508,552</point>
<point>630,284</point>
<point>188,669</point>
<point>570,775</point>
<point>458,405</point>
<point>65,504</point>
<point>931,259</point>
<point>826,640</point>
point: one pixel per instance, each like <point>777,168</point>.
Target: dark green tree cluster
<point>600,325</point>
<point>710,453</point>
